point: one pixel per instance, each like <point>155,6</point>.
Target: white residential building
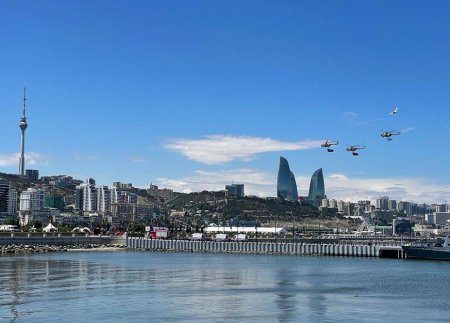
<point>103,199</point>
<point>31,199</point>
<point>333,204</point>
<point>86,196</point>
<point>122,197</point>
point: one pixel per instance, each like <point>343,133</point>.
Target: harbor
<point>344,246</point>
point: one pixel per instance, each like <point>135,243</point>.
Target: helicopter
<point>353,149</point>
<point>389,134</point>
<point>394,112</point>
<point>327,144</point>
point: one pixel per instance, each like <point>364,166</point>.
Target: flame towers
<point>23,126</point>
<point>286,184</point>
<point>317,186</point>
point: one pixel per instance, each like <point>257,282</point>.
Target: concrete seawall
<point>264,248</point>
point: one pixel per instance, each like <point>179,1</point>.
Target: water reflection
<point>119,287</point>
<point>316,298</point>
<point>287,292</point>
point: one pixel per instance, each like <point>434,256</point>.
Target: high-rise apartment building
<point>12,201</point>
<point>382,203</point>
<point>103,199</point>
<point>86,196</point>
<point>4,195</point>
<point>333,204</point>
<point>348,208</point>
<point>392,205</point>
<point>32,174</point>
<point>31,199</point>
<point>122,197</point>
<point>54,201</point>
<point>235,190</point>
<point>340,206</point>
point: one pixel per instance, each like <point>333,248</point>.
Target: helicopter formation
<point>354,148</point>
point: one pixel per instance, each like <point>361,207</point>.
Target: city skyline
<point>172,95</point>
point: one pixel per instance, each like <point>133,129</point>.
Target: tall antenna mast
<point>23,126</point>
<point>24,102</point>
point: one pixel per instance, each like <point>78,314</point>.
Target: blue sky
<point>192,95</point>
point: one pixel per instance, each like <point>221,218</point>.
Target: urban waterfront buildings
<point>12,201</point>
<point>54,201</point>
<point>8,198</point>
<point>86,196</point>
<point>317,186</point>
<point>31,199</point>
<point>103,199</point>
<point>122,197</point>
<point>4,195</point>
<point>286,184</point>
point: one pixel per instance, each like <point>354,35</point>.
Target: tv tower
<point>23,126</point>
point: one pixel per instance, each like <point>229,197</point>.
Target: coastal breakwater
<point>43,243</point>
<point>246,247</point>
<point>60,240</point>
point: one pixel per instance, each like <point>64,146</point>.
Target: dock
<point>268,248</point>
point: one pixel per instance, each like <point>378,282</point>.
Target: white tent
<point>49,228</point>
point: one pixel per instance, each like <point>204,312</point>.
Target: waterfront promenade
<point>357,248</point>
<point>273,248</point>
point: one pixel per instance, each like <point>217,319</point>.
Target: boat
<point>432,252</point>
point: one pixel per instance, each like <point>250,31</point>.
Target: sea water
<point>194,287</point>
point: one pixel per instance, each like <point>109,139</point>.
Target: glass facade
<point>317,186</point>
<point>54,201</point>
<point>286,185</point>
<point>4,192</point>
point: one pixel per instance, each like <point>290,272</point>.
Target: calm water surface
<point>165,287</point>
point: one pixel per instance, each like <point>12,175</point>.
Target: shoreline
<point>124,248</point>
<point>14,249</point>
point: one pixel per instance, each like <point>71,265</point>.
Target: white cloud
<point>256,182</point>
<point>338,186</point>
<point>218,149</point>
<point>31,158</point>
<point>338,176</point>
<point>419,190</point>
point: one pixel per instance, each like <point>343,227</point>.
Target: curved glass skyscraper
<point>317,186</point>
<point>286,185</point>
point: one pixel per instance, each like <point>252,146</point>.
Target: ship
<point>432,252</point>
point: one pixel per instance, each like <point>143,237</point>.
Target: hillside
<point>216,207</point>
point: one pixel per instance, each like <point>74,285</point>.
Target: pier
<point>272,248</point>
<point>300,248</point>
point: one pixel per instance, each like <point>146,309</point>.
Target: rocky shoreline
<point>10,250</point>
